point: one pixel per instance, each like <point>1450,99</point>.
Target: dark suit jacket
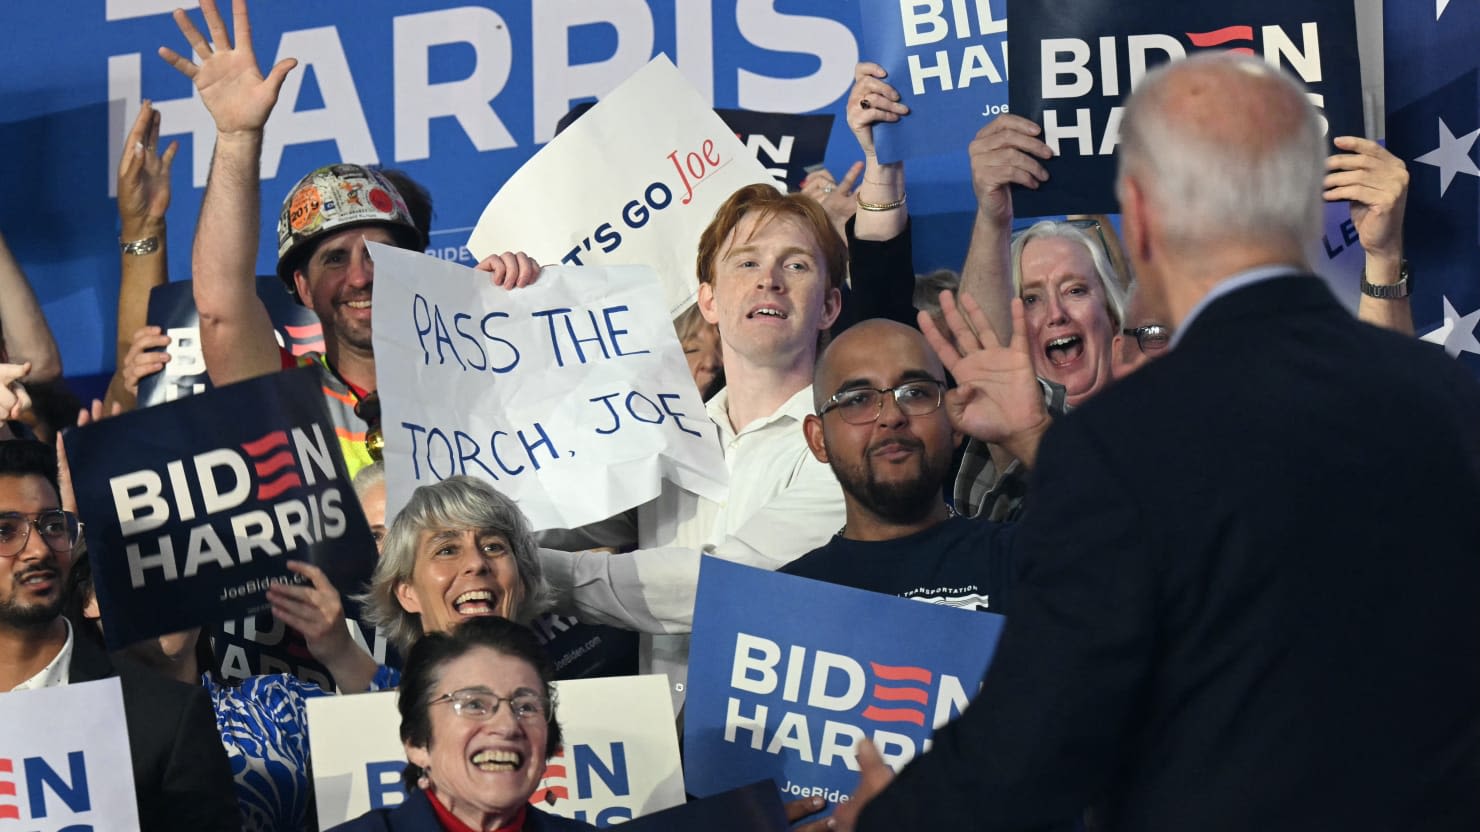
<point>1246,598</point>
<point>416,815</point>
<point>181,776</point>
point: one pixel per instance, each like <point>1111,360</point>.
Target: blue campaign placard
<point>1074,62</point>
<point>787,675</point>
<point>948,60</point>
<point>192,507</point>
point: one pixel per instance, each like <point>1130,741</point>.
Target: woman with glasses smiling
<point>478,723</point>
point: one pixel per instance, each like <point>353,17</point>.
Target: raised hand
<point>1376,183</point>
<point>836,198</point>
<point>230,83</point>
<point>871,101</point>
<point>1006,152</point>
<point>14,400</point>
<point>997,398</point>
<point>144,176</point>
<point>145,357</point>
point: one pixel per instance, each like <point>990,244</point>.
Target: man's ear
<point>300,283</point>
<point>812,429</point>
<point>706,303</point>
<point>407,596</point>
<point>1133,219</point>
<point>832,307</point>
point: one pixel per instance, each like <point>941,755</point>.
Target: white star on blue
<point>1451,156</point>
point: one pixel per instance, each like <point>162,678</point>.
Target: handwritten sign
<point>1075,61</point>
<point>948,61</point>
<point>66,764</point>
<point>571,396</point>
<point>609,770</point>
<point>634,181</point>
<point>776,695</point>
<point>191,509</point>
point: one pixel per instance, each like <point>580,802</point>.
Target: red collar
<point>450,823</point>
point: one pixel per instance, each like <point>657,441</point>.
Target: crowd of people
<point>1216,510</point>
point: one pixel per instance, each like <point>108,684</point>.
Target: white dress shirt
<point>57,672</point>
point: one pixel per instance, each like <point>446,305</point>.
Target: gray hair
<point>458,502</point>
<point>928,288</point>
<point>1207,186</point>
<point>1104,269</point>
<point>368,477</point>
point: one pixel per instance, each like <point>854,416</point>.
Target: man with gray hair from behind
<point>1246,583</point>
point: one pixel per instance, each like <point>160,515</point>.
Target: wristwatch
<point>1401,289</point>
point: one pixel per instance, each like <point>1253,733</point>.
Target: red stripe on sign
<point>1218,37</point>
<point>892,673</point>
<point>305,331</point>
<point>900,694</point>
<point>893,715</point>
<point>269,490</point>
<point>554,771</point>
<point>273,464</point>
<point>258,447</point>
<point>7,788</point>
<point>5,766</point>
<point>12,812</point>
<point>305,349</point>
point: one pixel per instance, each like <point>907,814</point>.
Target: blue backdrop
<point>76,71</point>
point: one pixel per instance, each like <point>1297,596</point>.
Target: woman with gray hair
<point>458,550</point>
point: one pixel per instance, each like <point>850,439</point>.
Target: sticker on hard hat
<point>307,210</point>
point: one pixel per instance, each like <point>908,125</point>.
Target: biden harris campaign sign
<point>619,759</point>
<point>192,506</point>
<point>172,309</point>
<point>947,59</point>
<point>64,760</point>
<point>1073,62</point>
<point>788,674</point>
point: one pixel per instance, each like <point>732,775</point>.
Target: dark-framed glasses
<point>862,405</point>
<point>480,704</point>
<point>58,529</point>
<point>1151,338</point>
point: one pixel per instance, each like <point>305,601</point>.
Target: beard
<point>902,500</point>
<point>36,616</point>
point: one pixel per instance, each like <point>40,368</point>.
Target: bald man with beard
<point>880,424</point>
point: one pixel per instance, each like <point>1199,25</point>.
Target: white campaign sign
<point>634,180</point>
<point>65,762</point>
<point>619,760</point>
<point>571,396</point>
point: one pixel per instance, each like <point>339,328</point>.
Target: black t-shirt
<point>961,562</point>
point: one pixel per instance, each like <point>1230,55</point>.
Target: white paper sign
<point>65,763</point>
<point>619,760</point>
<point>634,180</point>
<point>571,396</point>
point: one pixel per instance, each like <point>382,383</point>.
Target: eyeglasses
<point>862,405</point>
<point>480,704</point>
<point>1151,338</point>
<point>1086,225</point>
<point>59,530</point>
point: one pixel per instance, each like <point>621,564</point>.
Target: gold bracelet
<point>880,206</point>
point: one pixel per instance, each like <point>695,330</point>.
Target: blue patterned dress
<point>264,727</point>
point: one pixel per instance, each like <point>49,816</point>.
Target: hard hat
<point>332,199</point>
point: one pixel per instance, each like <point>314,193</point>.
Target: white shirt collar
<point>796,408</point>
<point>57,672</point>
<point>1228,286</point>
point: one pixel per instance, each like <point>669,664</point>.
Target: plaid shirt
<point>980,490</point>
